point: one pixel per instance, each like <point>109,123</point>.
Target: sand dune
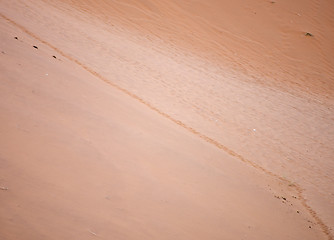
<point>266,39</point>
<point>166,120</point>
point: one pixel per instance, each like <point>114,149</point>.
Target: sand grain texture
<point>146,120</point>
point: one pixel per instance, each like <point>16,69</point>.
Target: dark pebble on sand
<point>35,47</point>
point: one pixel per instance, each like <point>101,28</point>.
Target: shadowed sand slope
<point>146,120</point>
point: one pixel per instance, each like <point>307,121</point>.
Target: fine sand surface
<point>166,119</point>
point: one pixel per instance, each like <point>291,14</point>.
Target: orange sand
<point>166,119</point>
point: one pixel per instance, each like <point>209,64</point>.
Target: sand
<point>166,120</point>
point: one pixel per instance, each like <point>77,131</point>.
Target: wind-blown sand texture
<point>166,119</point>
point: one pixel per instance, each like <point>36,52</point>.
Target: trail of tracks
<point>217,144</point>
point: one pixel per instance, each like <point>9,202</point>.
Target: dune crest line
<point>299,190</point>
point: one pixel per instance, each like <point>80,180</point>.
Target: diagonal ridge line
<point>219,145</point>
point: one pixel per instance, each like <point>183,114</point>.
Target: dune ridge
<point>298,189</point>
<point>183,122</point>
